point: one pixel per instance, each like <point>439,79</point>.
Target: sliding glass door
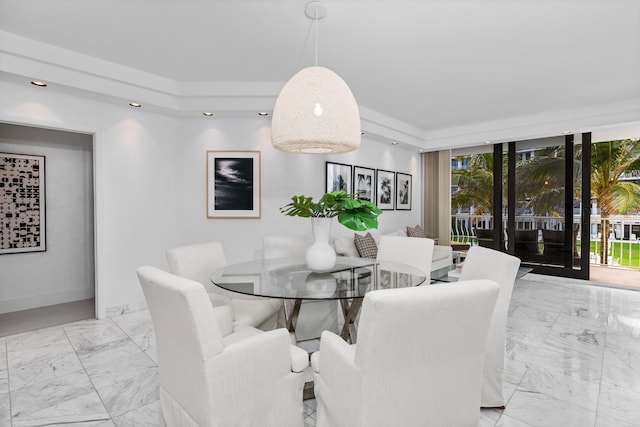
<point>548,187</point>
<point>536,205</point>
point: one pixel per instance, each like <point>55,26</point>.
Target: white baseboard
<point>19,304</point>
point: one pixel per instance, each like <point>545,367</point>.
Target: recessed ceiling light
<point>135,104</point>
<point>420,151</point>
<point>566,132</point>
<point>263,113</point>
<point>487,142</point>
<point>394,142</point>
<point>208,114</point>
<point>39,84</point>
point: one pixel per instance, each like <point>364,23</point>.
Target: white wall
<point>283,175</point>
<point>136,186</point>
<point>150,182</point>
<point>65,271</point>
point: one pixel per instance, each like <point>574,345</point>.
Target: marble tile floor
<point>572,359</point>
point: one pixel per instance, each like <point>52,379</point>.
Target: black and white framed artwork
<point>22,203</point>
<point>403,191</point>
<point>338,177</point>
<point>233,184</point>
<point>364,186</point>
<point>385,189</point>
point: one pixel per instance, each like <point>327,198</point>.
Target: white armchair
<point>198,262</point>
<point>485,263</point>
<point>418,360</point>
<point>416,252</point>
<point>247,378</point>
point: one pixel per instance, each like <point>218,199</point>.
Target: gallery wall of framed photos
<point>389,190</point>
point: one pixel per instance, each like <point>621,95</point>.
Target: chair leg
<point>307,391</point>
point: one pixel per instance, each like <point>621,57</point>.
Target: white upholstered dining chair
<point>197,262</point>
<point>418,360</point>
<point>247,378</point>
<point>414,251</point>
<point>485,263</point>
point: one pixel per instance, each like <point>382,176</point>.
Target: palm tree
<point>474,191</point>
<point>540,181</point>
<point>475,184</point>
<point>541,184</point>
<point>609,161</point>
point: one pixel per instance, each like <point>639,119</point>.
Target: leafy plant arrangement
<point>353,213</point>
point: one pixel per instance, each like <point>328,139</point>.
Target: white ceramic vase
<point>320,256</point>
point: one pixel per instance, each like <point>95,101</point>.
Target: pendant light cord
<point>316,24</point>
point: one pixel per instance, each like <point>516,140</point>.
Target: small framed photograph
<point>338,177</point>
<point>22,204</point>
<point>364,183</point>
<point>233,184</point>
<point>403,191</point>
<point>385,183</point>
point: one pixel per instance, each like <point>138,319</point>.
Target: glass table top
<point>452,275</point>
<point>291,279</point>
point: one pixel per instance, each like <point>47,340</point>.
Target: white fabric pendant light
<point>316,111</point>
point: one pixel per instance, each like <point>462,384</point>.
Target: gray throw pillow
<point>366,245</point>
<point>416,231</point>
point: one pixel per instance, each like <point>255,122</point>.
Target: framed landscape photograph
<point>338,177</point>
<point>385,191</point>
<point>364,183</point>
<point>403,191</point>
<point>233,184</point>
<point>22,204</point>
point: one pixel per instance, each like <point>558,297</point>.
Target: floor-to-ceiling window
<point>528,198</point>
<point>545,207</point>
<point>472,196</point>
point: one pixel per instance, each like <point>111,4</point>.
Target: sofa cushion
<point>398,232</point>
<point>346,246</point>
<point>416,231</point>
<point>366,245</point>
<point>440,252</point>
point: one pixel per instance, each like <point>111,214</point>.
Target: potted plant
<point>353,213</point>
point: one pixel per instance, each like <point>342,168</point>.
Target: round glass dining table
<point>289,278</point>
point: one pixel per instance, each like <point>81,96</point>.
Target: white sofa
<point>345,246</point>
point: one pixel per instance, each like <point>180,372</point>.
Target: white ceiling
<point>429,73</point>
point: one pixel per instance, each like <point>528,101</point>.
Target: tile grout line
<point>565,305</point>
<point>604,346</point>
<point>133,341</point>
<point>89,377</point>
<point>6,363</point>
<point>143,352</point>
<point>553,323</point>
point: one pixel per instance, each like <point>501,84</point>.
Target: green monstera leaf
<point>353,213</point>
